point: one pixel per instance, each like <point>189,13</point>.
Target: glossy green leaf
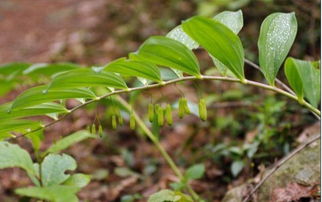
<point>219,41</point>
<point>179,35</point>
<point>276,37</point>
<point>12,155</point>
<point>86,78</point>
<point>195,172</point>
<point>169,53</point>
<point>232,19</point>
<point>135,68</point>
<point>19,126</point>
<point>304,79</point>
<point>41,109</point>
<point>78,180</point>
<point>53,169</point>
<point>57,193</point>
<point>69,140</point>
<point>40,94</point>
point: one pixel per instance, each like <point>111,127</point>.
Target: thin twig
<point>280,163</point>
<point>186,78</point>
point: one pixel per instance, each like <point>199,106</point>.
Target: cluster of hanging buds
<point>117,118</point>
<point>96,129</point>
<point>183,107</point>
<point>160,114</point>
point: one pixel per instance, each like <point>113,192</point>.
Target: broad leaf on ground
<point>53,169</point>
<point>57,193</point>
<point>12,155</point>
<point>195,172</point>
<point>168,195</point>
<point>78,180</point>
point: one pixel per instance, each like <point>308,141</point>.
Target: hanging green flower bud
<point>132,121</point>
<point>160,116</point>
<point>202,109</point>
<point>185,105</point>
<point>100,130</point>
<point>168,114</point>
<point>114,123</point>
<point>93,129</point>
<point>181,108</point>
<point>120,119</point>
<point>88,127</point>
<point>151,112</point>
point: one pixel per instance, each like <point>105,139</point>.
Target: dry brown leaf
<point>291,192</point>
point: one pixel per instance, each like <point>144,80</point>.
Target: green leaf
<point>19,126</point>
<point>78,180</point>
<point>12,155</point>
<point>276,37</point>
<point>86,78</point>
<point>195,172</point>
<point>168,74</point>
<point>232,19</point>
<point>53,169</point>
<point>49,69</point>
<point>219,41</point>
<point>40,94</point>
<point>236,167</point>
<point>15,68</point>
<point>134,68</point>
<point>179,35</point>
<point>41,109</point>
<point>69,140</point>
<point>168,52</point>
<point>58,193</point>
<point>304,79</point>
<point>168,195</point>
<point>294,78</point>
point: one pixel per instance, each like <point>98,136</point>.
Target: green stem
<point>186,78</point>
<point>156,142</point>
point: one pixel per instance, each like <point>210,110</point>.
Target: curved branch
<point>186,78</point>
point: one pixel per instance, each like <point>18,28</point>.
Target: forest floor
<point>96,32</point>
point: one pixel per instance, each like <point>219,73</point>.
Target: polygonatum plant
<point>159,61</point>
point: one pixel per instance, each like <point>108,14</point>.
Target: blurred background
<point>247,127</point>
